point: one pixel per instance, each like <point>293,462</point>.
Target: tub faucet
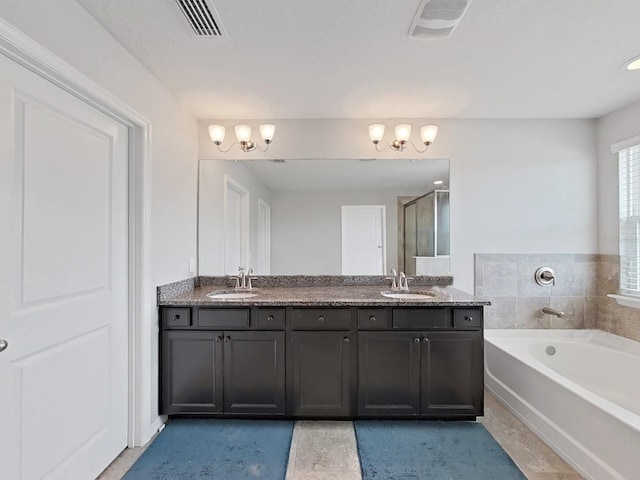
<point>552,311</point>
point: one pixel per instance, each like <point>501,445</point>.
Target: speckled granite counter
<point>333,296</point>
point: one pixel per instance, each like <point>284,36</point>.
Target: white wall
<point>619,125</point>
<point>306,228</point>
<point>68,31</point>
<point>211,213</point>
<point>517,186</point>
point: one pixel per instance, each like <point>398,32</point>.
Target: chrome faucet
<point>394,281</point>
<point>404,282</point>
<point>249,278</point>
<point>241,279</point>
<point>552,311</point>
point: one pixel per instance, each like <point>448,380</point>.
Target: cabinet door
<point>254,375</point>
<point>191,372</point>
<point>321,374</point>
<point>452,374</point>
<point>388,373</point>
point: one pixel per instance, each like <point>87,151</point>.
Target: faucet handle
<point>406,282</point>
<point>249,279</point>
<point>394,272</point>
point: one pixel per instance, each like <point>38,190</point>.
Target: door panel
<point>63,284</point>
<point>321,373</point>
<point>388,373</point>
<point>457,388</point>
<point>191,372</point>
<point>254,376</point>
<point>363,235</point>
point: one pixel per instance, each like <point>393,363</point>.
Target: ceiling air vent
<point>437,19</point>
<point>202,17</point>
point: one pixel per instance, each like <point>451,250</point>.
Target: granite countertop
<point>332,296</point>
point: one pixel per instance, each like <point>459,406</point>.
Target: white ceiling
<point>354,58</point>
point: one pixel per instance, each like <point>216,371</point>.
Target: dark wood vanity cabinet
<point>416,362</point>
<point>435,372</point>
<point>322,363</point>
<point>222,371</point>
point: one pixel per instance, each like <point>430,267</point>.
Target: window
<point>629,205</point>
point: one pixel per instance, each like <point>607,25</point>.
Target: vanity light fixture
<point>403,132</point>
<point>243,134</point>
<point>632,64</point>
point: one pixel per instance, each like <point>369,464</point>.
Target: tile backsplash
<point>582,283</point>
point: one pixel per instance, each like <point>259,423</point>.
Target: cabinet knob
<point>425,340</point>
<point>372,319</point>
<point>321,319</point>
<point>417,339</point>
<point>270,318</point>
<point>468,318</point>
<point>346,339</point>
<point>176,317</point>
<point>218,338</point>
<point>227,338</point>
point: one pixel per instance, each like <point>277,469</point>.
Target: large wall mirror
<point>323,217</point>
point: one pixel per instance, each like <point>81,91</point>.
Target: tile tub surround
<point>582,285</point>
<point>507,281</point>
<point>612,317</point>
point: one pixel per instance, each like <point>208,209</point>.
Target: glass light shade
<point>376,132</point>
<point>216,132</point>
<point>403,132</point>
<point>266,132</point>
<point>243,133</point>
<point>428,133</point>
<point>633,65</point>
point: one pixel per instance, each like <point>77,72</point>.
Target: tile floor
<point>327,450</point>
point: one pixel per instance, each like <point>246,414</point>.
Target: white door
<point>363,246</point>
<point>236,226</point>
<point>63,282</point>
<point>264,238</point>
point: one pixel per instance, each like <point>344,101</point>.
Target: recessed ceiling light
<point>632,64</point>
<point>438,182</point>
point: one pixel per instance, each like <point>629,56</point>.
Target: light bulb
<point>266,132</point>
<point>428,134</point>
<point>376,132</point>
<point>216,132</point>
<point>403,132</point>
<point>243,133</point>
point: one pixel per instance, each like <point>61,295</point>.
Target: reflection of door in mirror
<point>236,226</point>
<point>263,264</point>
<point>363,240</point>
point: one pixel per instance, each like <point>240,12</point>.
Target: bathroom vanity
<point>323,352</point>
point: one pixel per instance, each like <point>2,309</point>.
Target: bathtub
<point>578,390</point>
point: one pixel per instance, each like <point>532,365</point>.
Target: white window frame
<point>629,219</point>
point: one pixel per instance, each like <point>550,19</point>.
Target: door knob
<point>3,345</point>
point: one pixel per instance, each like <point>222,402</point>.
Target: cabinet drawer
<point>176,317</point>
<point>270,318</point>
<point>419,318</point>
<point>372,318</point>
<point>321,319</point>
<point>223,317</point>
<point>467,318</point>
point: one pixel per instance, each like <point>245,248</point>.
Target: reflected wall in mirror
<point>285,217</point>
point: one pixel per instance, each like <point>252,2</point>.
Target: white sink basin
<point>408,295</point>
<point>231,295</point>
